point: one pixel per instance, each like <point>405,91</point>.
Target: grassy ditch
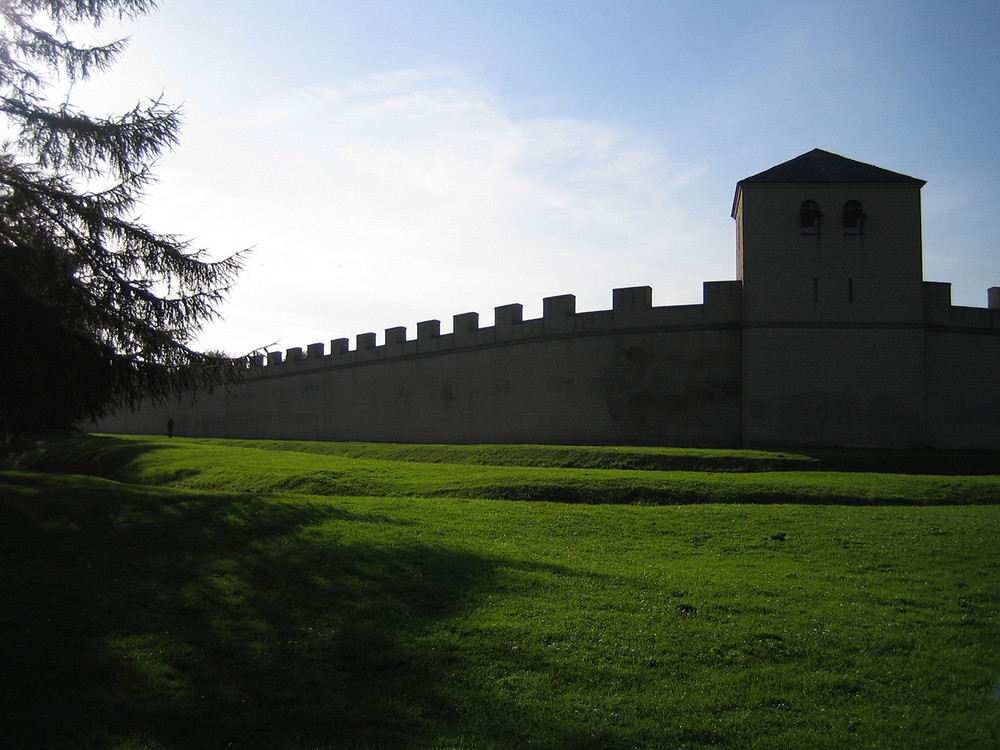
<point>153,601</point>
<point>579,475</point>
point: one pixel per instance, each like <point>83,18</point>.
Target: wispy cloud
<point>417,194</point>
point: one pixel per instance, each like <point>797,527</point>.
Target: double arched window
<point>810,216</point>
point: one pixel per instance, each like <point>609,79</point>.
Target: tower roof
<point>819,166</point>
<point>822,166</point>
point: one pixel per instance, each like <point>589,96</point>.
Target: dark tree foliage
<point>97,312</point>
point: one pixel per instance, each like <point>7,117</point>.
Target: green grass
<point>200,594</point>
<point>579,474</point>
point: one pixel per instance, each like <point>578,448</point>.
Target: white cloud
<point>414,195</point>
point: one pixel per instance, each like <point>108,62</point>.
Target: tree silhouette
<point>97,312</point>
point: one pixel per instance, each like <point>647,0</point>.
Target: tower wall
<point>834,386</point>
<point>830,276</point>
<point>833,317</point>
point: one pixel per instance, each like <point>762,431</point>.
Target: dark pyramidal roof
<point>822,166</point>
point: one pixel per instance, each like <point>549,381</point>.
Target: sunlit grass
<point>566,474</point>
<point>147,616</point>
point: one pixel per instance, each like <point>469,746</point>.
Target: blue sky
<point>393,162</point>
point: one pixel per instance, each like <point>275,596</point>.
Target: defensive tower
<point>829,255</point>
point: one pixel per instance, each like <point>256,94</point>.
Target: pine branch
<point>78,272</point>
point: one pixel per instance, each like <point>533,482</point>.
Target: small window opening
<point>850,290</point>
<point>854,217</point>
<point>809,216</point>
<point>815,290</point>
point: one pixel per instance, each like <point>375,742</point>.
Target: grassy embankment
<point>195,594</point>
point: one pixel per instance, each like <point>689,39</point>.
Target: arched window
<point>809,216</point>
<point>853,217</point>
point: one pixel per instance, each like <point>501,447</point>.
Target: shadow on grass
<point>77,453</point>
<point>147,617</point>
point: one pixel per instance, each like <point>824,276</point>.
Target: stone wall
<point>962,371</point>
<point>690,375</point>
<point>634,374</point>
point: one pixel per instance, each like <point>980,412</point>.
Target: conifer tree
<point>97,311</point>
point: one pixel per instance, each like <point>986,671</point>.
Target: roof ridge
<point>818,166</point>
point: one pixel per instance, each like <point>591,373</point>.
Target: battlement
<point>632,311</point>
<point>940,313</point>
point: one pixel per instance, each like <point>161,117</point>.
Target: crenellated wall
<point>632,374</point>
<point>632,308</point>
<point>962,370</point>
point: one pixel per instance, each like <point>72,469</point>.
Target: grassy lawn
<point>212,594</point>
